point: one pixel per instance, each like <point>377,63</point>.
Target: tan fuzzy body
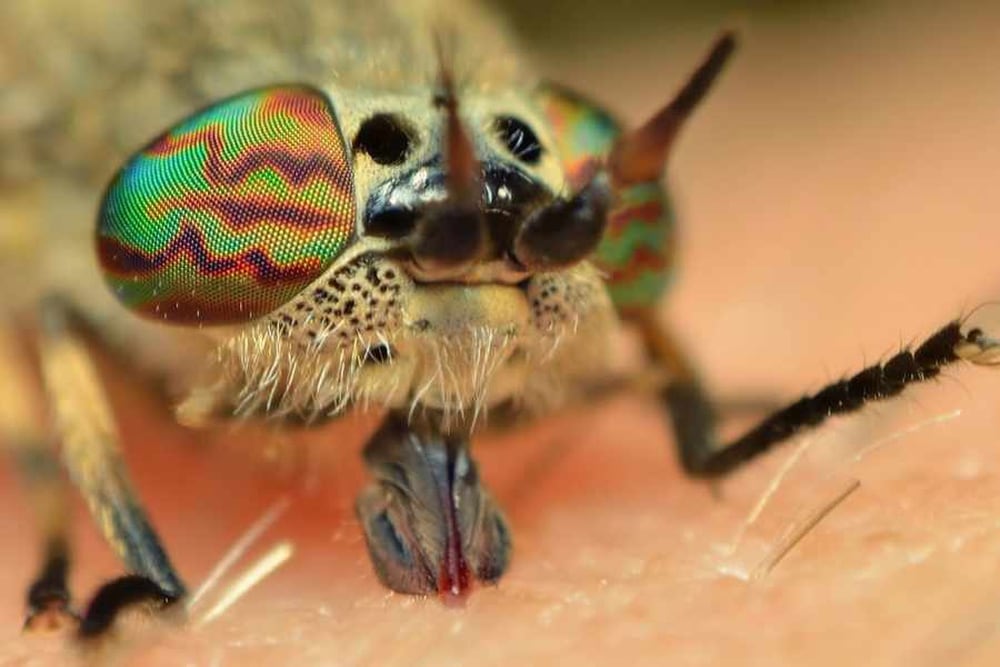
<point>86,84</point>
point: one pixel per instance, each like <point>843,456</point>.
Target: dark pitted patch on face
<point>556,302</point>
<point>360,299</point>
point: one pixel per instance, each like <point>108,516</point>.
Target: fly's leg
<point>34,457</point>
<point>430,525</point>
<point>693,417</point>
<point>692,414</point>
<point>90,452</point>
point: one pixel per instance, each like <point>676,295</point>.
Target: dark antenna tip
<point>701,80</point>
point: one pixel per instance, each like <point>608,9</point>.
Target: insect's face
<point>423,247</point>
<point>449,294</point>
<point>400,151</point>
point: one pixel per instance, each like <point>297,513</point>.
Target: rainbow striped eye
<point>583,131</point>
<point>231,213</point>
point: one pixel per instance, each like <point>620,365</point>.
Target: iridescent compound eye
<point>583,131</point>
<point>232,212</point>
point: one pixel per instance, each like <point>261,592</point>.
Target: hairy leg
<point>973,339</point>
<point>33,456</point>
<point>84,428</point>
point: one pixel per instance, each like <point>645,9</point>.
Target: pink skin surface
<point>839,195</point>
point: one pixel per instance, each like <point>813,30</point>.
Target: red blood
<point>454,582</point>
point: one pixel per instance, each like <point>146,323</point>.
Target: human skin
<point>838,198</point>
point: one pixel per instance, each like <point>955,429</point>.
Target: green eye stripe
<point>626,235</point>
<point>231,213</point>
<point>637,250</point>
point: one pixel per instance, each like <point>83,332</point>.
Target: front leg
<point>90,452</point>
<point>35,459</point>
<point>429,524</point>
<point>972,339</point>
<point>692,414</point>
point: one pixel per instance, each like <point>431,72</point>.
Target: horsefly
<point>301,209</point>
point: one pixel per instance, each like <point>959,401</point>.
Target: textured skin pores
<point>231,213</point>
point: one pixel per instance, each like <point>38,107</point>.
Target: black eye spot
<point>385,138</point>
<point>521,140</point>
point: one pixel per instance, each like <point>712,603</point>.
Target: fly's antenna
<point>451,235</point>
<point>641,155</point>
<point>459,151</point>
